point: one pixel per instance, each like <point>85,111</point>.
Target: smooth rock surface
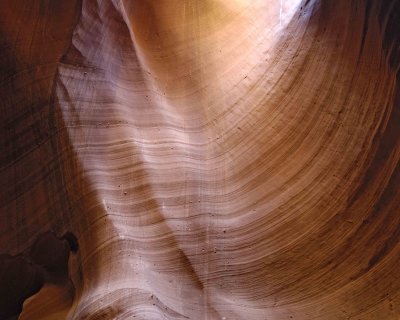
<point>200,159</point>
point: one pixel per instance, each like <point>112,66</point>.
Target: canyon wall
<point>176,159</point>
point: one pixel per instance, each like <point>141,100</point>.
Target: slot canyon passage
<point>200,159</point>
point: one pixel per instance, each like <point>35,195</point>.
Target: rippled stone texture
<point>176,159</point>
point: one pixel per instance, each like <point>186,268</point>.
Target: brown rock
<point>277,121</point>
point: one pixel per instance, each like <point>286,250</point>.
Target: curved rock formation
<point>187,159</point>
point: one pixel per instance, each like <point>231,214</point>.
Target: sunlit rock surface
<point>200,159</point>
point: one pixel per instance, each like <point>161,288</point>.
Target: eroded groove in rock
<point>205,159</point>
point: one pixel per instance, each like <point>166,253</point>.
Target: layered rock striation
<point>176,159</point>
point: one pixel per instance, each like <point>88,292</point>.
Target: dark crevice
<point>23,275</point>
<point>365,27</point>
<point>72,241</point>
<point>389,20</point>
<point>19,279</point>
